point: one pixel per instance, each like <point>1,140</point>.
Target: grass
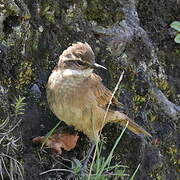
<point>11,167</point>
<point>10,145</point>
<point>49,134</point>
<point>105,165</point>
<point>132,177</point>
<point>101,168</point>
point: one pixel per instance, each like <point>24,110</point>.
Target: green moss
<point>48,14</point>
<point>152,116</point>
<point>6,82</point>
<point>137,99</point>
<point>172,152</point>
<point>49,10</point>
<point>170,62</point>
<point>14,8</point>
<point>114,68</point>
<point>103,12</point>
<point>25,75</point>
<point>163,85</point>
<point>157,173</point>
<point>31,45</point>
<point>169,57</point>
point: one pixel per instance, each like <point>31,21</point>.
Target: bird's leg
<point>89,155</point>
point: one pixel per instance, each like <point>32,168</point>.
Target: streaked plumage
<point>77,96</point>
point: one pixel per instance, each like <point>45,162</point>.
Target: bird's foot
<point>86,161</point>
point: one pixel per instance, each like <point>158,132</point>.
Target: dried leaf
<point>59,140</point>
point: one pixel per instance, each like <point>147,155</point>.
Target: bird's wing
<point>103,95</point>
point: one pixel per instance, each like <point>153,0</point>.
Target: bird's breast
<point>66,95</point>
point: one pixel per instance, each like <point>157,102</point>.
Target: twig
<point>52,170</point>
<point>110,101</point>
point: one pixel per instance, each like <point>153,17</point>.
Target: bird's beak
<point>95,65</point>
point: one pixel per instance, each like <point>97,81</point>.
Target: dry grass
<point>10,145</point>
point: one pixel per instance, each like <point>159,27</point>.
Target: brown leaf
<point>59,140</point>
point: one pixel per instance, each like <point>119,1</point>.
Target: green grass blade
<point>107,162</point>
<point>132,177</point>
<point>49,134</point>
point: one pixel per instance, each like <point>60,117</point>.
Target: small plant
<point>19,106</point>
<point>101,168</point>
<point>176,25</point>
<point>49,134</point>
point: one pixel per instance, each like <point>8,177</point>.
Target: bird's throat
<point>78,73</point>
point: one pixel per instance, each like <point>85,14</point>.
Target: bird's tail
<point>123,119</point>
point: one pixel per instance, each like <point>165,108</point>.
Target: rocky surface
<point>126,35</point>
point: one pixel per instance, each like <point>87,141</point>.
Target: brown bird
<point>77,96</point>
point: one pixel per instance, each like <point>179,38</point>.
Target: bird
<point>77,96</point>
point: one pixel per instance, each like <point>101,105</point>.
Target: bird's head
<point>78,58</point>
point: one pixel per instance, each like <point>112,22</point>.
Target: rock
<point>131,36</point>
<point>35,91</point>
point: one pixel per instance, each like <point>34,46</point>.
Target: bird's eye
<point>80,63</point>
